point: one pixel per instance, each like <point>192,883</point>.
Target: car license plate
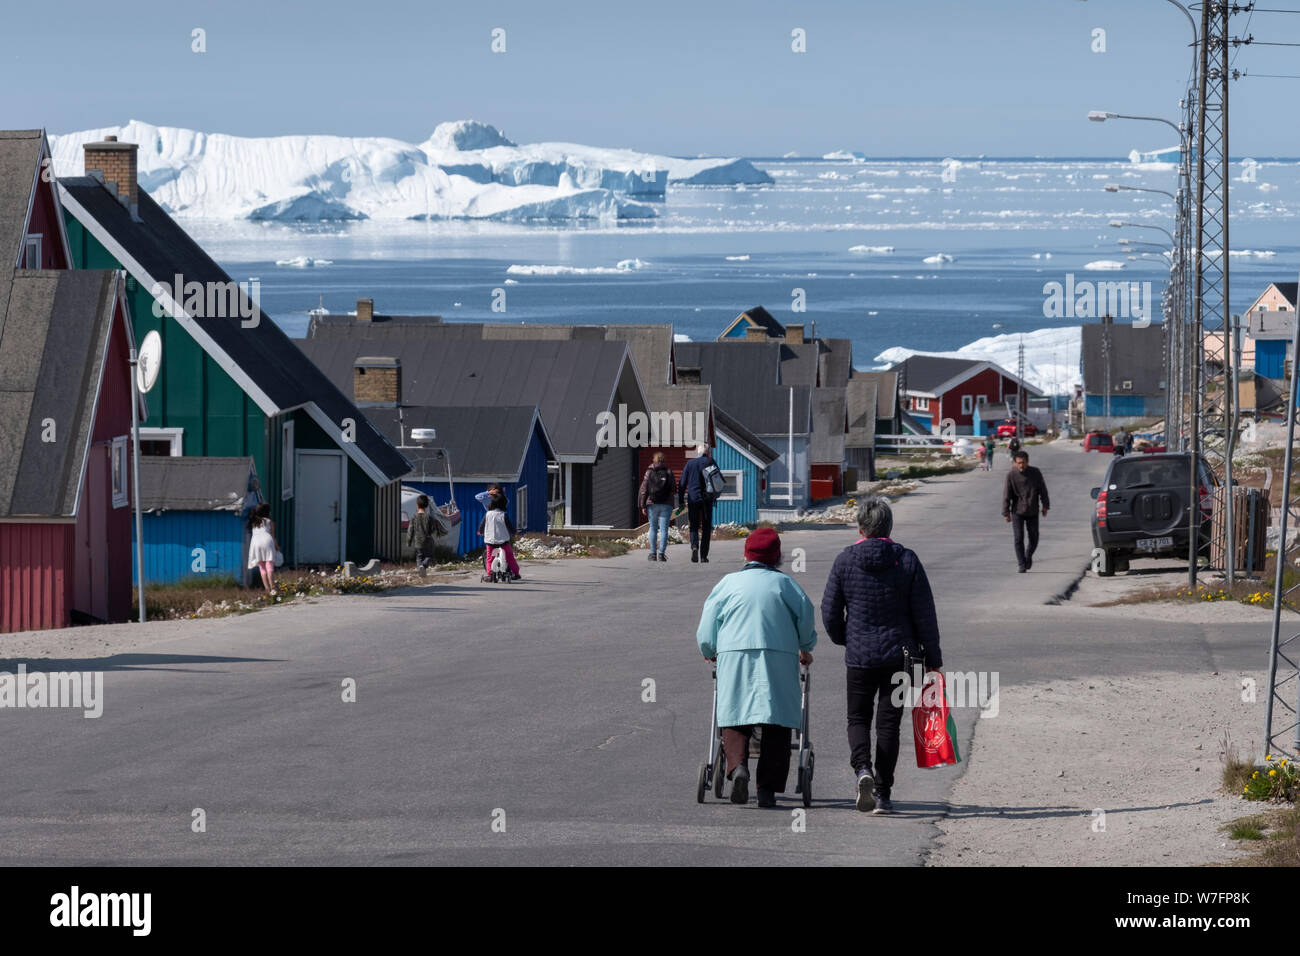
<point>1155,544</point>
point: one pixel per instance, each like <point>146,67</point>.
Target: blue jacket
<point>692,486</point>
<point>755,623</point>
<point>877,599</point>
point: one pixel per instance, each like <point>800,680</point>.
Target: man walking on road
<point>1023,495</point>
<point>876,603</point>
<point>694,493</point>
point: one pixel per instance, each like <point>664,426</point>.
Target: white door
<point>320,512</point>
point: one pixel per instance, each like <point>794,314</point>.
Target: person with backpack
<point>702,482</point>
<point>656,500</point>
<point>423,533</point>
<point>497,529</point>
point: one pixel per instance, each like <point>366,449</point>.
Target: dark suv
<point>1142,509</point>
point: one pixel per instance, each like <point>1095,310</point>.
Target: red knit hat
<point>763,544</point>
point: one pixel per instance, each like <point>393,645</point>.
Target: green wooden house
<point>232,383</point>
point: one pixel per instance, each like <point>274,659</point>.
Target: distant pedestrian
<point>876,603</point>
<point>759,626</point>
<point>698,499</point>
<point>263,550</point>
<point>423,532</point>
<point>989,446</point>
<point>1128,443</point>
<point>658,488</point>
<point>1023,495</point>
<point>1013,448</point>
<point>497,529</point>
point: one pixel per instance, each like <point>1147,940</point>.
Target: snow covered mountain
<point>1051,356</point>
<point>464,170</point>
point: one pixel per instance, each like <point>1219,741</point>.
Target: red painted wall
<point>44,220</point>
<point>831,473</point>
<point>985,383</point>
<point>35,576</point>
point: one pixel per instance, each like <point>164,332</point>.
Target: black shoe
<point>653,557</point>
<point>704,560</point>
<point>1029,564</point>
<point>866,791</point>
<point>884,805</point>
<point>662,556</point>
<point>766,798</point>
<point>740,785</point>
<point>1020,570</point>
<point>695,556</point>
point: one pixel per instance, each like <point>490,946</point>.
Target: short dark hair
<point>422,501</point>
<point>1022,454</point>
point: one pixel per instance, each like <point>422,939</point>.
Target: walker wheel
<point>701,783</point>
<point>719,773</point>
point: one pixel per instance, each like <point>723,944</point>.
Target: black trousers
<point>870,690</point>
<point>773,755</point>
<point>700,514</point>
<point>1019,525</point>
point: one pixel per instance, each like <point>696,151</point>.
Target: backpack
<point>655,483</point>
<point>715,482</point>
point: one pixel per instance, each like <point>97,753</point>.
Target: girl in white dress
<point>262,548</point>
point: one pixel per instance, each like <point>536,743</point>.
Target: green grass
<point>1247,828</point>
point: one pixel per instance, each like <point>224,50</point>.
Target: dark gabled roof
<point>197,483</point>
<point>20,158</point>
<point>924,373</point>
<point>886,390</point>
<point>570,382</point>
<point>1288,289</point>
<point>835,362</point>
<point>261,358</point>
<point>1136,355</point>
<point>860,400</point>
<point>798,362</point>
<point>757,316</point>
<point>829,426</point>
<point>745,380</point>
<point>743,438</point>
<point>483,442</point>
<point>323,324</point>
<point>54,335</point>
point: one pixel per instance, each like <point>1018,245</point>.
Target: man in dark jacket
<point>878,601</point>
<point>1023,495</point>
<point>695,495</point>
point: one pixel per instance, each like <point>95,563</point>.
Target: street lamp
<point>1115,188</point>
<point>1118,224</point>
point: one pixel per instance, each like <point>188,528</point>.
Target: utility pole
<point>1024,396</point>
<point>1106,324</point>
<point>1213,407</point>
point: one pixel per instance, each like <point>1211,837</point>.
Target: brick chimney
<point>755,333</point>
<point>794,335</point>
<point>115,164</point>
<point>365,310</point>
<point>377,380</point>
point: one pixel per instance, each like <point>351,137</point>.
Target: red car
<point>1007,429</point>
<point>1099,441</point>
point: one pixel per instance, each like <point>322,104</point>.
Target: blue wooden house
<point>744,459</point>
<point>474,447</point>
<point>195,517</point>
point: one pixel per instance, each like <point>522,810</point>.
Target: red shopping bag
<point>933,728</point>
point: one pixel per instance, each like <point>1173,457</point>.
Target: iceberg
<point>872,250</point>
<point>938,260</point>
<point>1103,265</point>
<point>464,170</point>
<point>1051,356</point>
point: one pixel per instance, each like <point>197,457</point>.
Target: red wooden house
<point>938,389</point>
<point>65,412</point>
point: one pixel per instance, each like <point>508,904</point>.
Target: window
<point>981,400</point>
<point>286,460</point>
<point>32,252</point>
<point>164,442</point>
<point>121,470</point>
<point>923,404</point>
<point>735,487</point>
<point>967,404</point>
<point>521,508</point>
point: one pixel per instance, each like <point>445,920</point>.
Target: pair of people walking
<point>694,493</point>
<point>758,624</point>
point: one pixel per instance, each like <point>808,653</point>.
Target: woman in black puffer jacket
<point>877,602</point>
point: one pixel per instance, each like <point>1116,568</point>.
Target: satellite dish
<point>424,434</point>
<point>149,362</point>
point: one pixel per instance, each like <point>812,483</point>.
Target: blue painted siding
<point>1123,406</point>
<point>533,475</point>
<point>1270,356</point>
<point>171,537</point>
<point>745,509</point>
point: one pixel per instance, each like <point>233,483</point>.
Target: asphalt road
<point>522,704</point>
